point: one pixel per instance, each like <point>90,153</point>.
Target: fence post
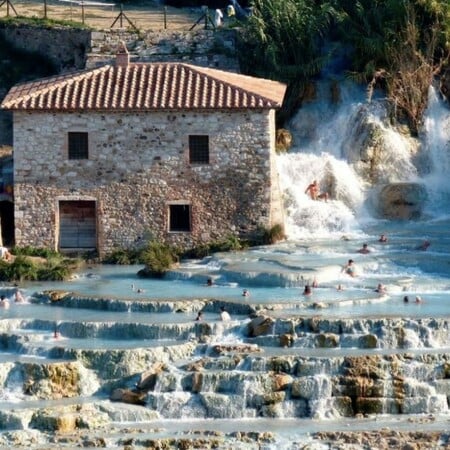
<point>45,9</point>
<point>165,17</point>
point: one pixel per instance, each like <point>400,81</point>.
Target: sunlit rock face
<point>402,201</point>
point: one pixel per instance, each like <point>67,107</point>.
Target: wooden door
<point>77,225</point>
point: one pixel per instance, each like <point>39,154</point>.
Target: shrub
<point>56,269</point>
<point>230,243</point>
<point>273,235</point>
<point>21,269</point>
<point>124,257</point>
<point>158,259</point>
<point>34,251</point>
<point>283,140</point>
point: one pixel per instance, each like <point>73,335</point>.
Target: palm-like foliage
<point>284,38</point>
<point>370,28</point>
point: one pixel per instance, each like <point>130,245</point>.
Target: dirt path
<point>102,17</point>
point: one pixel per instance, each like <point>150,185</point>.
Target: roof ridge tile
<point>146,86</point>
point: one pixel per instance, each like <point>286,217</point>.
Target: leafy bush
<point>124,257</point>
<point>283,140</point>
<point>34,251</point>
<point>230,243</point>
<point>273,235</point>
<point>158,259</point>
<point>56,269</point>
<point>21,269</point>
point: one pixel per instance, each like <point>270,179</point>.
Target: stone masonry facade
<point>138,165</point>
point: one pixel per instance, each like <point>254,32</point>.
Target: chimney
<point>122,56</point>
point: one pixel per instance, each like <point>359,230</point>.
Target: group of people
<point>350,268</point>
<point>18,298</point>
<point>224,315</point>
<point>417,300</point>
<point>231,11</point>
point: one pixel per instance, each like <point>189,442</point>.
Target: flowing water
<point>115,326</point>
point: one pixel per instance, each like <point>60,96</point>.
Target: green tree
<point>283,40</point>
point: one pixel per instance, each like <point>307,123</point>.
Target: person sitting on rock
<point>4,254</point>
<point>313,191</point>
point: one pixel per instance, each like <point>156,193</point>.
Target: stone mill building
<point>106,157</point>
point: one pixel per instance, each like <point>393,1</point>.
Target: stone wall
<point>205,48</point>
<point>70,49</point>
<point>65,47</point>
<point>138,165</point>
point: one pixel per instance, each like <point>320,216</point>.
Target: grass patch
<point>41,22</point>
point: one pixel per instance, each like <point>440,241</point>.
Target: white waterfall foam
<point>437,150</point>
<point>337,145</point>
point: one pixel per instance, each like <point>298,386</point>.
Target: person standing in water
<point>225,317</point>
<point>350,268</point>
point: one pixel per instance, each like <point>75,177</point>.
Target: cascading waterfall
<point>436,147</point>
<point>333,145</point>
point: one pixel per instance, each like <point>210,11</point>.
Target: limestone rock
<point>56,380</point>
<point>260,325</point>
<point>327,340</point>
<point>402,201</point>
<point>128,396</point>
<point>286,340</point>
<point>281,381</point>
<point>235,348</point>
<point>444,85</point>
<point>148,379</point>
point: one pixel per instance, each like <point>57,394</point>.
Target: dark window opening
<point>78,145</point>
<point>179,218</point>
<point>199,149</point>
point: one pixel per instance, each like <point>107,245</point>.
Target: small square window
<point>199,149</point>
<point>78,147</point>
<point>179,218</point>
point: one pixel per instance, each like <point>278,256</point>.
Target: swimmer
<point>315,283</point>
<point>18,297</point>
<point>405,299</point>
<point>419,300</point>
<point>383,238</point>
<point>209,282</point>
<point>380,289</point>
<point>4,302</point>
<point>424,245</point>
<point>350,268</point>
<point>199,317</point>
<point>364,249</point>
<point>307,290</point>
<point>340,287</point>
<point>245,293</point>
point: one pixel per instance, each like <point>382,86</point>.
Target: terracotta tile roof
<point>146,86</point>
